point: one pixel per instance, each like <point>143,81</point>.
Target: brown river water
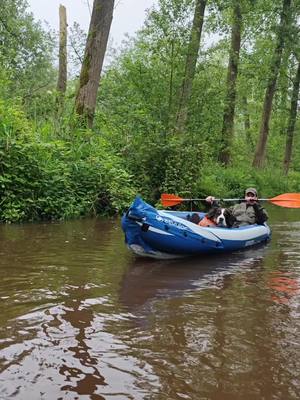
<point>82,318</point>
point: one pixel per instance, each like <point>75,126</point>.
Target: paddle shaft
<point>220,199</point>
<point>289,200</point>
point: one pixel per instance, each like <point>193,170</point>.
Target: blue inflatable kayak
<point>169,234</point>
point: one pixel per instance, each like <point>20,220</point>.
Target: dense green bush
<point>57,179</point>
<point>231,182</point>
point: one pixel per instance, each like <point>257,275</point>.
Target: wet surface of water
<point>81,318</point>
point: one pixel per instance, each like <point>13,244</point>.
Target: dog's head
<point>221,217</point>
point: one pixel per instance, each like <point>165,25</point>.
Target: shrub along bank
<point>56,179</point>
<point>47,176</point>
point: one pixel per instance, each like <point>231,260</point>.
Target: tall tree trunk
<point>190,66</point>
<point>291,123</point>
<point>62,68</point>
<point>283,91</point>
<point>247,123</point>
<point>260,153</point>
<point>171,85</point>
<point>91,68</point>
<point>232,73</point>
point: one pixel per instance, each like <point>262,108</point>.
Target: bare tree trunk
<point>93,60</point>
<point>190,66</point>
<point>171,85</point>
<point>62,69</point>
<point>260,153</point>
<point>232,73</point>
<point>283,91</point>
<point>247,123</point>
<point>292,122</point>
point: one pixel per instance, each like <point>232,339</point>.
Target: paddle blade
<point>168,200</point>
<point>289,200</point>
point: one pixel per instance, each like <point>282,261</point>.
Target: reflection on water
<point>285,287</point>
<point>82,318</point>
<point>148,278</point>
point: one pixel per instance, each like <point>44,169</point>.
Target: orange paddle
<point>289,200</point>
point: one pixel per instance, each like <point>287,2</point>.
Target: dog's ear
<point>211,213</point>
<point>230,219</point>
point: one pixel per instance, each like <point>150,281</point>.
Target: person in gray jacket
<point>247,212</point>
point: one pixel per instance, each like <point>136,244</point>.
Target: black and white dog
<point>216,216</point>
<point>221,217</point>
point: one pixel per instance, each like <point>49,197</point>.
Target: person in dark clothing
<point>247,212</point>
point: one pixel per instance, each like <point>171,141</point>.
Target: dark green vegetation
<point>52,167</point>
